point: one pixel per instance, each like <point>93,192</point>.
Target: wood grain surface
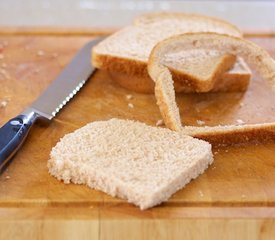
<point>92,31</point>
<point>234,199</point>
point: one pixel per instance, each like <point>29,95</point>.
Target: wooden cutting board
<point>233,199</point>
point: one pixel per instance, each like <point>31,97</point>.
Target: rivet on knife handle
<point>13,134</point>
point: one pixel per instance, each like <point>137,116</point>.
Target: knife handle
<point>13,134</point>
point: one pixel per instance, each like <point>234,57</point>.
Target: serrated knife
<point>47,105</point>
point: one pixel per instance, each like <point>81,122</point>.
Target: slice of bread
<point>164,89</point>
<point>131,160</point>
<point>195,21</point>
<point>236,79</point>
<point>229,135</point>
<point>126,52</point>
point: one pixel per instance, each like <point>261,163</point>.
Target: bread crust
<point>225,135</point>
<point>252,53</point>
<point>133,75</point>
<point>228,82</point>
<point>130,67</point>
<point>138,70</point>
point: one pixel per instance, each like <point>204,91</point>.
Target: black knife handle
<point>13,134</point>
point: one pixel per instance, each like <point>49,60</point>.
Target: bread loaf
<point>125,54</point>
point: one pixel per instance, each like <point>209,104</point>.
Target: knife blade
<point>47,105</point>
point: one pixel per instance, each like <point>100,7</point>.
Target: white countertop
<point>116,13</point>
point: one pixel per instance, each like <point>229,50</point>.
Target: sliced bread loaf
<point>131,160</point>
<point>126,52</point>
<point>235,79</point>
<point>164,89</point>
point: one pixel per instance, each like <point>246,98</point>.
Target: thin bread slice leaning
<point>127,51</point>
<point>131,160</point>
<point>165,94</point>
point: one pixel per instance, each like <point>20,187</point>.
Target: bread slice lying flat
<point>164,90</point>
<point>125,53</point>
<point>131,160</point>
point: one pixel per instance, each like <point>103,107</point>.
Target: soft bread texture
<point>131,160</point>
<point>236,79</point>
<point>164,90</point>
<point>201,64</point>
<point>190,18</point>
<point>126,52</point>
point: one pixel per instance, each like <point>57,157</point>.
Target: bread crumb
<point>240,121</point>
<point>129,96</point>
<point>200,122</point>
<point>1,56</point>
<point>3,104</point>
<point>130,105</point>
<point>3,65</point>
<point>241,104</point>
<point>61,65</point>
<point>243,196</point>
<point>5,73</point>
<point>226,150</point>
<point>8,177</point>
<point>40,53</point>
<point>201,193</point>
<point>214,167</point>
<point>215,153</point>
<point>159,122</point>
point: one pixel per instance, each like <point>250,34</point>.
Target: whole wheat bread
<point>131,160</point>
<point>165,94</point>
<point>125,54</point>
<point>235,79</point>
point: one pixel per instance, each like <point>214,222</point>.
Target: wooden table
<point>234,199</point>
